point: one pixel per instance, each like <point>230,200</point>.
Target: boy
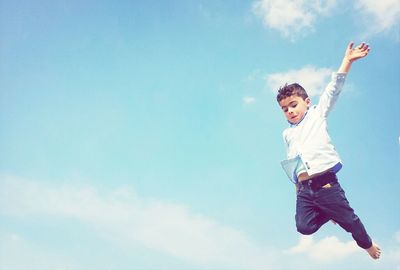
<point>312,161</point>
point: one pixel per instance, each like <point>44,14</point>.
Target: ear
<point>308,102</point>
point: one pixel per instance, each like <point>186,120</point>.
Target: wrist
<point>347,61</point>
<point>345,66</point>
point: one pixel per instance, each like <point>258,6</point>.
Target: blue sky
<point>145,134</point>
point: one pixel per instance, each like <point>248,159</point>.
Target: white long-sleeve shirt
<point>308,141</point>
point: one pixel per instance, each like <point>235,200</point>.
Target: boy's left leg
<point>333,202</point>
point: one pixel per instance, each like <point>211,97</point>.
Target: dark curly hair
<point>291,89</point>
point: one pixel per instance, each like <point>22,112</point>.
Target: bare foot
<point>374,251</point>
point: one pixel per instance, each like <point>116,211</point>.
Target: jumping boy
<point>312,161</point>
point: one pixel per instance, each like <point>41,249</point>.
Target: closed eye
<point>292,104</point>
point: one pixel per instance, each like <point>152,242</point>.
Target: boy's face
<point>294,108</point>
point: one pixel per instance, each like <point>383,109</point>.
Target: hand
<point>353,54</point>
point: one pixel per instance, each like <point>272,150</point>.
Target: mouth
<point>293,119</point>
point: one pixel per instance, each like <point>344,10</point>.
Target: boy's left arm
<point>330,95</point>
<point>353,54</point>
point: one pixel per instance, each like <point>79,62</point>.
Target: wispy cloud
<point>311,78</point>
<point>18,254</point>
<point>379,16</point>
<point>254,80</point>
<point>393,254</point>
<point>397,237</point>
<point>249,100</point>
<point>128,219</point>
<point>123,220</point>
<point>326,250</point>
<point>292,18</point>
<point>297,18</point>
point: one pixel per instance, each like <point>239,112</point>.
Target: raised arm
<point>353,54</point>
<point>332,90</point>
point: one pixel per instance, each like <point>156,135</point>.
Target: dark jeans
<point>316,205</point>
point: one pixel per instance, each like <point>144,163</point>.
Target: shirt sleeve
<point>331,93</point>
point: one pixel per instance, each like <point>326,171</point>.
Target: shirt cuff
<point>338,76</point>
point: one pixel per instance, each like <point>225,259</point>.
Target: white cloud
<point>392,256</point>
<point>379,16</point>
<point>296,18</point>
<point>393,253</point>
<point>292,17</point>
<point>18,254</point>
<point>312,79</point>
<point>397,237</point>
<point>326,250</point>
<point>249,100</point>
<point>128,219</point>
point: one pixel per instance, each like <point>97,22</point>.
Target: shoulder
<point>286,133</point>
<point>313,109</point>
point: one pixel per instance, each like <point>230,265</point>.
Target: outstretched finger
<point>362,46</point>
<point>350,46</point>
<point>366,47</point>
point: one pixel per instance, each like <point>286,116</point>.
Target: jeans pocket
<point>326,186</point>
<point>331,185</point>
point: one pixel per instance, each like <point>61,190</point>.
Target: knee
<point>306,230</point>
